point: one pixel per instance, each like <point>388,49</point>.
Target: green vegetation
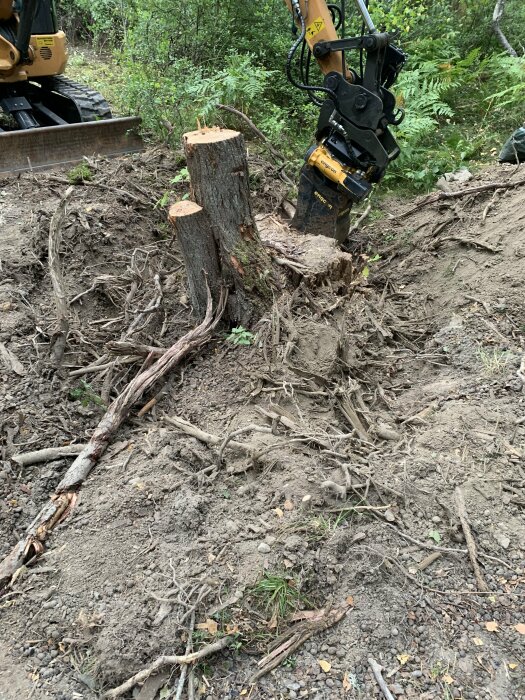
<point>173,62</point>
<point>278,595</point>
<point>85,394</point>
<point>79,174</point>
<point>494,361</point>
<point>240,336</point>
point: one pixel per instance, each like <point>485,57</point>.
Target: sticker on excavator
<point>45,41</point>
<point>313,29</point>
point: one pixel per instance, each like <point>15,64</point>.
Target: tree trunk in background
<point>218,234</point>
<point>496,19</point>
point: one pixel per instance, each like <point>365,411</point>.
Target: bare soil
<point>408,375</point>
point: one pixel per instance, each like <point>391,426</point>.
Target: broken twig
<point>163,661</point>
<point>63,500</point>
<point>376,670</point>
<point>469,538</point>
<point>297,635</point>
<point>59,338</point>
<point>26,459</point>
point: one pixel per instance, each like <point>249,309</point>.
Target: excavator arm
<point>354,145</point>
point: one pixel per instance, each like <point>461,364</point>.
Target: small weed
<point>324,527</point>
<point>85,394</point>
<point>370,260</point>
<point>434,535</point>
<point>436,670</point>
<point>79,174</point>
<point>183,176</point>
<point>290,662</point>
<point>163,201</point>
<point>278,594</point>
<point>240,336</point>
<point>494,361</point>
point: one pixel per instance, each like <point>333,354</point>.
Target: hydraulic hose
<point>310,88</point>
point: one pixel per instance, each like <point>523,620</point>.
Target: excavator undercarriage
<point>45,118</point>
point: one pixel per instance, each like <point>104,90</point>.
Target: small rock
<point>502,540</point>
<point>270,539</point>
<point>264,548</point>
<point>394,631</point>
<point>397,689</point>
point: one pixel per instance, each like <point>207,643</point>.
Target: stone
<point>264,548</point>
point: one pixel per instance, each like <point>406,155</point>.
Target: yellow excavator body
<point>45,118</point>
<point>49,56</point>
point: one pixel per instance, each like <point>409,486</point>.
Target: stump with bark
<point>217,232</point>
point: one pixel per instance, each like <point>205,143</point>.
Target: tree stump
<point>217,232</point>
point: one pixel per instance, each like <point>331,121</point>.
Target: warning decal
<point>45,41</point>
<point>315,27</point>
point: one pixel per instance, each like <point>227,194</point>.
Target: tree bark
<point>496,19</point>
<point>218,168</point>
<point>199,252</point>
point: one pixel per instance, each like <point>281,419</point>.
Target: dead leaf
<point>477,641</point>
<point>306,615</point>
<point>232,629</point>
<point>279,513</point>
<point>346,683</point>
<point>512,666</point>
<point>273,622</point>
<point>448,679</point>
<point>209,626</point>
<point>325,665</point>
<point>403,658</point>
<point>350,600</point>
<point>492,626</point>
<point>520,628</point>
<point>243,692</point>
<point>288,505</point>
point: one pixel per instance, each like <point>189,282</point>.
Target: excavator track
<point>92,106</point>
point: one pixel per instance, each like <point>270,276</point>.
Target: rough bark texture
<point>219,176</point>
<point>199,251</point>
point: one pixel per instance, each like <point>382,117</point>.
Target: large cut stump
<point>217,233</point>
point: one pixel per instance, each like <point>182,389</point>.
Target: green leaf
<point>434,535</point>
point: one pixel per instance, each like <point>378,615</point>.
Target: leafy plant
<point>183,176</point>
<point>85,394</point>
<point>240,336</point>
<point>434,535</point>
<point>80,173</point>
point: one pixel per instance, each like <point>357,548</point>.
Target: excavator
<point>52,120</point>
<point>45,118</point>
<point>354,145</point>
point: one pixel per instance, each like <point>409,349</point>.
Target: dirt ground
<point>400,388</point>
